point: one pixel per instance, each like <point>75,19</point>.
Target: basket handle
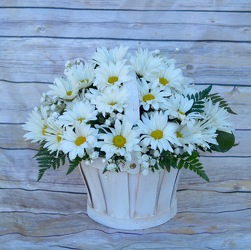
<point>132,108</point>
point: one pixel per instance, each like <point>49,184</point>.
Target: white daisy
<point>217,117</point>
<point>111,100</point>
<point>189,137</point>
<point>104,56</point>
<point>121,140</point>
<point>146,64</point>
<point>78,140</point>
<point>63,89</point>
<point>81,75</point>
<point>111,74</point>
<point>177,107</point>
<point>170,77</point>
<point>81,112</point>
<point>208,134</point>
<point>157,132</point>
<point>151,95</point>
<point>36,125</point>
<point>53,135</point>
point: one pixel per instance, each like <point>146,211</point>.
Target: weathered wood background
<point>37,37</point>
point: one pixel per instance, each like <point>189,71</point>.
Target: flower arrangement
<point>128,107</point>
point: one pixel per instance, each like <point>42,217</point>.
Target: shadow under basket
<point>129,200</point>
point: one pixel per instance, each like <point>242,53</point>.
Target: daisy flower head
<point>105,56</point>
<point>78,140</point>
<point>81,75</point>
<point>81,112</point>
<point>208,134</point>
<point>189,137</point>
<point>36,125</point>
<point>217,117</point>
<point>178,106</point>
<point>53,136</point>
<point>157,132</point>
<point>121,140</point>
<point>146,64</point>
<point>111,100</point>
<point>151,96</point>
<point>63,89</point>
<point>170,77</point>
<point>110,75</point>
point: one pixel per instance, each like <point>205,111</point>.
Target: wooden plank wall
<point>37,37</point>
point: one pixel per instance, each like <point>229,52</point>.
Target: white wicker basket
<point>128,199</point>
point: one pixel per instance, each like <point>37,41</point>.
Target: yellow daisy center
<point>179,135</point>
<point>112,103</point>
<point>148,97</point>
<point>44,129</point>
<point>69,92</point>
<point>180,112</point>
<point>112,79</point>
<point>84,80</point>
<point>163,81</point>
<point>59,137</point>
<point>119,141</point>
<point>81,119</point>
<point>80,140</point>
<point>157,134</point>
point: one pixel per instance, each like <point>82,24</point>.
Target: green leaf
<point>74,164</point>
<point>225,141</point>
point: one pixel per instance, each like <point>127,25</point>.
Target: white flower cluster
<point>83,115</point>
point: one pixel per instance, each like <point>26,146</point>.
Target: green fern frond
<point>74,164</point>
<point>198,98</point>
<point>216,98</point>
<point>47,159</point>
<point>167,160</point>
<point>192,162</point>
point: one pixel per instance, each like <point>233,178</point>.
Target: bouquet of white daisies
<point>128,108</point>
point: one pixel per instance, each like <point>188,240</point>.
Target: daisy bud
<point>156,153</point>
<point>53,107</point>
<point>145,157</point>
<point>111,166</point>
<point>152,162</point>
<point>145,172</point>
<point>156,52</point>
<point>107,122</point>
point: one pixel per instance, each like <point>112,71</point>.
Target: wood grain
<point>130,25</point>
<point>40,60</point>
<point>207,5</point>
<point>38,37</point>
